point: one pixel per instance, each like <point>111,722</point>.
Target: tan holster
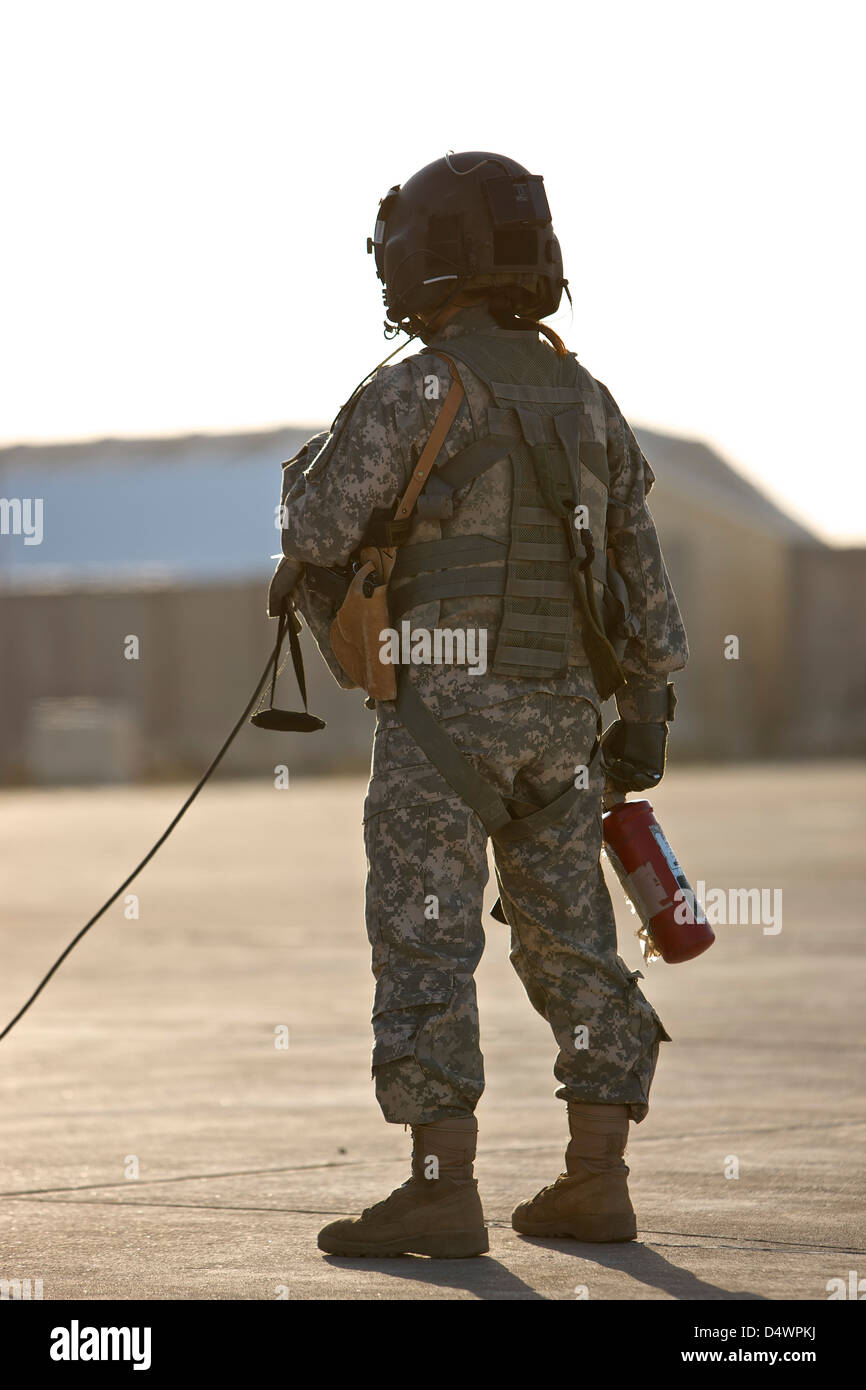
<point>356,632</point>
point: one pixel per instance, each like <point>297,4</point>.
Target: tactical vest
<point>547,416</point>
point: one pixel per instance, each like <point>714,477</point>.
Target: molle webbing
<point>472,582</point>
<point>456,568</point>
<point>539,417</point>
<point>606,670</point>
<point>537,617</point>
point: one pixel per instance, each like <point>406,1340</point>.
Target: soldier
<point>499,497</point>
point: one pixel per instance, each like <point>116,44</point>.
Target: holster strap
<point>471,582</point>
<point>431,449</point>
<point>429,556</point>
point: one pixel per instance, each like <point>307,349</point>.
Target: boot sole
<point>458,1246</point>
<point>598,1230</point>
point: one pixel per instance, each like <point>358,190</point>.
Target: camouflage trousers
<point>427,858</point>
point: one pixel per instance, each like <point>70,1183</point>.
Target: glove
<point>283,581</point>
<point>633,754</point>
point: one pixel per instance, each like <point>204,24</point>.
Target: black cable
<point>352,401</point>
<point>151,852</point>
<point>488,159</point>
<point>365,381</point>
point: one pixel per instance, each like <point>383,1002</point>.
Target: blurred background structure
<point>167,541</point>
<point>188,189</point>
<point>189,272</point>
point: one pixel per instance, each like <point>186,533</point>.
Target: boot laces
<point>552,1186</point>
<point>563,1179</point>
<point>380,1206</point>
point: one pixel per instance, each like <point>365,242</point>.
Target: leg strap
<point>448,760</point>
<point>466,782</point>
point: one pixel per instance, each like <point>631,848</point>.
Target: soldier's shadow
<point>648,1267</point>
<point>483,1276</point>
<point>487,1278</point>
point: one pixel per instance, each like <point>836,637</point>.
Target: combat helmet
<point>470,220</point>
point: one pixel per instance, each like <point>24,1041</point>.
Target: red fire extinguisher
<point>673,924</point>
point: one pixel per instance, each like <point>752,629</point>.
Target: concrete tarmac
<point>190,1098</point>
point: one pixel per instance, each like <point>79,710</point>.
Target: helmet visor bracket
<point>376,243</point>
<point>517,202</point>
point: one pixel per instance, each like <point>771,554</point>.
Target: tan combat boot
<point>590,1200</point>
<point>437,1212</point>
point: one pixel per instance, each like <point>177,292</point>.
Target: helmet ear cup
<point>468,220</point>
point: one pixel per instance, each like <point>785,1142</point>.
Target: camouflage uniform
<point>527,737</point>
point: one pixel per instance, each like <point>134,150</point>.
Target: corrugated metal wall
<point>798,686</point>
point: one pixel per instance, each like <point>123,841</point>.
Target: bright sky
<point>188,188</point>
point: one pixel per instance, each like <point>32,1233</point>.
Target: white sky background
<point>187,189</point>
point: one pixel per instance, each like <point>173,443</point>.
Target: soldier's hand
<point>283,581</point>
<point>634,754</point>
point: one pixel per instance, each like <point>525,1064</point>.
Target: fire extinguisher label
<point>641,887</point>
<point>649,890</point>
<point>636,886</point>
<point>621,874</point>
<point>694,910</point>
